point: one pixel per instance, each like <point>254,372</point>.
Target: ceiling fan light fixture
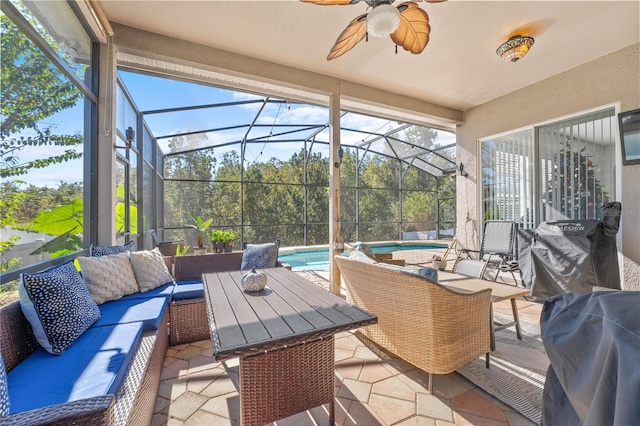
<point>515,48</point>
<point>383,20</point>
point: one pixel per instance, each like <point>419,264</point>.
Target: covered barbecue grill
<point>566,256</point>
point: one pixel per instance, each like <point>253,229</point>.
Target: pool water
<point>318,260</point>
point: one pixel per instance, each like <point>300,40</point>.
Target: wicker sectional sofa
<point>129,342</point>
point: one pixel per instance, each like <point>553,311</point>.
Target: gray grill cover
<point>574,256</point>
<point>593,344</point>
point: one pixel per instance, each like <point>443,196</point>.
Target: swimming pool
<point>318,260</point>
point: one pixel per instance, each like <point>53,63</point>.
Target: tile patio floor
<point>372,388</point>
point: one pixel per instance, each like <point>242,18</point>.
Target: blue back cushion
<point>95,366</point>
<point>260,256</point>
<point>97,251</point>
<point>58,306</point>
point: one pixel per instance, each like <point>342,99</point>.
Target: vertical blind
<point>577,166</point>
<point>507,178</point>
<point>576,171</point>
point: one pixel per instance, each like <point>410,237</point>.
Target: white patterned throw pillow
<point>57,304</point>
<point>260,256</point>
<point>108,277</point>
<point>149,269</point>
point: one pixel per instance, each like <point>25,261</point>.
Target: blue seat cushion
<point>188,289</point>
<point>165,291</point>
<point>94,365</point>
<point>148,311</point>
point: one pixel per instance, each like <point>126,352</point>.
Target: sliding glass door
<point>577,165</point>
<point>575,171</point>
<point>507,178</point>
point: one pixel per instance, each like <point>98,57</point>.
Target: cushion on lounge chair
<point>148,311</point>
<point>260,256</point>
<point>94,366</point>
<point>188,289</point>
<point>58,306</point>
<point>425,272</point>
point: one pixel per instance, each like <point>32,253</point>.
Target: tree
<point>32,90</point>
<point>10,200</point>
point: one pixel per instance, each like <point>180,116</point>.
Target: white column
<point>106,173</point>
<point>334,186</point>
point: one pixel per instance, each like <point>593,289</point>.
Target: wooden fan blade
<point>331,2</point>
<point>413,32</point>
<point>351,35</point>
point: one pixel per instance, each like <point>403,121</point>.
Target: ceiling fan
<point>407,24</point>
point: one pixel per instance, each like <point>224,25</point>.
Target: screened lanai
<point>259,166</point>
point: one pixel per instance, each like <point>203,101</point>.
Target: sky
<point>153,93</point>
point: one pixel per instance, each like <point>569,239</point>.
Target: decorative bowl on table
<point>254,280</point>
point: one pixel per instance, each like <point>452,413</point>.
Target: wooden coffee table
<point>283,336</point>
<point>499,292</point>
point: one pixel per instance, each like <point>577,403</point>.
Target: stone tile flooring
<point>372,388</point>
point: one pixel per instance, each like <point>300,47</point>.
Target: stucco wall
<point>611,79</point>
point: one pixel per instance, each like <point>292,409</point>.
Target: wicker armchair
<point>434,328</point>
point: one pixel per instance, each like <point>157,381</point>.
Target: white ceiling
<point>458,69</point>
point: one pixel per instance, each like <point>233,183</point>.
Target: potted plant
<point>218,237</point>
<point>181,250</point>
<point>229,237</point>
<point>201,226</point>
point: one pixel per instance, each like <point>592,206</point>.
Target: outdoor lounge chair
<point>496,253</point>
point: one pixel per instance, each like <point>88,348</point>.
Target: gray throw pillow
<point>58,305</point>
<point>426,272</point>
<point>97,251</point>
<point>260,256</point>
